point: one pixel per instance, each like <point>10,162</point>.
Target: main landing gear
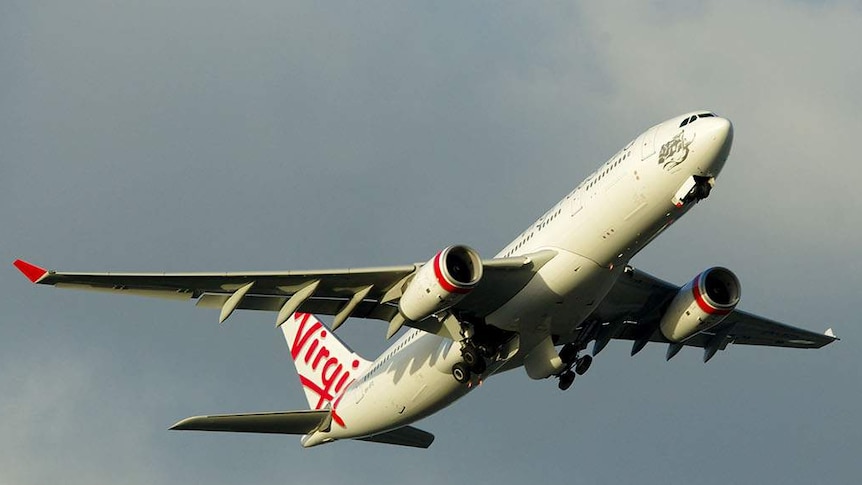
<point>460,372</point>
<point>473,362</point>
<point>575,365</point>
<point>479,346</point>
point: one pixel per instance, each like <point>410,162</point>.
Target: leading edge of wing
<point>37,274</point>
<point>194,284</point>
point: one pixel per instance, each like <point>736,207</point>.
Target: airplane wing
<point>362,293</point>
<point>633,309</point>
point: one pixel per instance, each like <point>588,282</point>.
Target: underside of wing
<point>371,293</point>
<point>636,304</point>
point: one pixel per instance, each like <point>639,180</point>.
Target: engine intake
<point>441,282</point>
<point>701,304</point>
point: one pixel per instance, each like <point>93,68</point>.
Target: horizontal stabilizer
<point>285,422</point>
<point>406,436</point>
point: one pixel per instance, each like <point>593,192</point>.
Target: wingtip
<point>184,424</point>
<point>31,271</point>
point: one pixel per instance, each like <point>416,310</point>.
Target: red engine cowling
<point>442,282</point>
<point>701,304</point>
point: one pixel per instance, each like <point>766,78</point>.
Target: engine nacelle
<point>701,304</point>
<point>442,282</point>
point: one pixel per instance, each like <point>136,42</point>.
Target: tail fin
<point>326,366</point>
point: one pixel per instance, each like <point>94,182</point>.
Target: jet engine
<point>442,282</point>
<point>701,304</point>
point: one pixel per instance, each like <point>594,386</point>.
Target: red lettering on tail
<point>301,338</point>
<point>328,378</point>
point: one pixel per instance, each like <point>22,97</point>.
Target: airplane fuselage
<point>595,230</point>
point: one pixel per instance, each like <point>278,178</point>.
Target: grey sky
<point>218,135</point>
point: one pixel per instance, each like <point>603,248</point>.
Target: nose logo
<point>674,152</point>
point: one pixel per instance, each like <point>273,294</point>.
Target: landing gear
<point>583,364</point>
<point>481,346</point>
<point>473,359</point>
<point>473,363</point>
<point>700,191</point>
<point>460,372</point>
<point>569,353</point>
<point>566,380</point>
<point>575,365</point>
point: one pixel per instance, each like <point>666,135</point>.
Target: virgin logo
<point>323,372</point>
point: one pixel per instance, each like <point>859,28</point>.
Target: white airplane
<point>564,281</point>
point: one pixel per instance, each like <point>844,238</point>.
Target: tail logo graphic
<point>326,367</point>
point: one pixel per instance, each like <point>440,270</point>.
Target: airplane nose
<point>722,136</point>
<point>719,132</point>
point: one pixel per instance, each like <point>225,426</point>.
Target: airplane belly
<point>416,383</point>
<point>563,293</point>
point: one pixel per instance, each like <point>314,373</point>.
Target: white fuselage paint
<point>595,230</point>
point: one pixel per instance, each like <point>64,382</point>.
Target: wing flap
<point>317,306</point>
<point>282,422</point>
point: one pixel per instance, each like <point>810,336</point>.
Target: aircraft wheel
<point>472,359</point>
<point>460,372</point>
<point>470,355</point>
<point>566,380</point>
<point>583,364</point>
<point>569,353</point>
<point>700,191</point>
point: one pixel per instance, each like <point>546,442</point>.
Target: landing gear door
<point>648,142</point>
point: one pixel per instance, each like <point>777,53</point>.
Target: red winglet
<point>31,271</point>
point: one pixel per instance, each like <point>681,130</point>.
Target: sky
<point>227,136</point>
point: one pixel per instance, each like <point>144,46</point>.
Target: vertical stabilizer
<point>326,366</point>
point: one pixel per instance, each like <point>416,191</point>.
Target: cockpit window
<point>694,118</point>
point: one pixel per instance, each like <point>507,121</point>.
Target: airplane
<point>564,282</point>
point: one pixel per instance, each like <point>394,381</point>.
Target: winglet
<point>31,271</point>
<point>830,333</point>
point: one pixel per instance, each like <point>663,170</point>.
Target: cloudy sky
<point>218,135</point>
